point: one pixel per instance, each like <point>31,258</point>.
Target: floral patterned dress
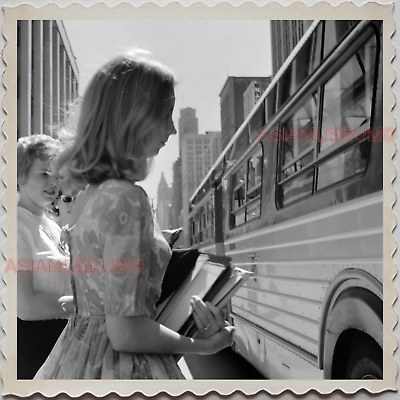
<point>119,257</point>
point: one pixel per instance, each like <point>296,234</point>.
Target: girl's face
<point>164,129</point>
<point>40,188</point>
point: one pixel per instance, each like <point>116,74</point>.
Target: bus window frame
<point>201,230</point>
<point>244,163</point>
<point>335,148</point>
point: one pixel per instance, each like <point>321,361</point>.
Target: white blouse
<point>38,248</point>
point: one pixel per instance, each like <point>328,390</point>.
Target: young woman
<point>41,276</point>
<point>118,253</point>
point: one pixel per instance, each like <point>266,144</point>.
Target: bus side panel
<point>293,264</point>
<point>267,355</point>
<point>247,346</point>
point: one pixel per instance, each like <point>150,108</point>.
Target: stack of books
<point>213,279</point>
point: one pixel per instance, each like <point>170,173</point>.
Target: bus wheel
<point>365,359</point>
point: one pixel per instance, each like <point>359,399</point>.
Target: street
<point>223,365</point>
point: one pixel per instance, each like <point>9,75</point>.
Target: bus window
<point>270,103</point>
<point>209,218</point>
<point>346,117</point>
<point>285,87</point>
<point>299,147</point>
<point>254,175</point>
<point>304,64</point>
<point>246,189</point>
<point>192,231</point>
<point>240,145</point>
<point>348,163</point>
<point>256,124</point>
<point>253,210</point>
<point>342,149</point>
<point>238,200</point>
<point>335,32</point>
<point>202,220</point>
<point>210,215</point>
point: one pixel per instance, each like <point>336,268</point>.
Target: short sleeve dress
<point>119,257</point>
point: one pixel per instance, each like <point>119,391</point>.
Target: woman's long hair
<point>123,104</point>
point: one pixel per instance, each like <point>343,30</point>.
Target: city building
<point>47,76</point>
<point>199,152</point>
<point>164,204</point>
<point>231,100</point>
<point>286,34</point>
<point>188,124</point>
<point>252,94</point>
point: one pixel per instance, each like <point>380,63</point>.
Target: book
<point>173,310</point>
<point>213,279</point>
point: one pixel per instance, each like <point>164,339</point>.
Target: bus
<point>296,197</point>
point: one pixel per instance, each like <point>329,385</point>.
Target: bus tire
<point>365,359</point>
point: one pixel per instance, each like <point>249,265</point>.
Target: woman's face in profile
<point>164,129</point>
<point>40,187</point>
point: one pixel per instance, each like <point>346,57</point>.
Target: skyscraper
<point>286,34</point>
<point>231,100</point>
<point>284,37</point>
<point>252,94</point>
<point>199,152</point>
<point>188,124</point>
<point>164,204</point>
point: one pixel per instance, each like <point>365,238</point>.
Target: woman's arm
<point>33,306</point>
<point>139,334</point>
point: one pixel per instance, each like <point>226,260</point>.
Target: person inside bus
<point>40,316</point>
<point>125,119</point>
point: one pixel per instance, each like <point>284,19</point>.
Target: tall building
<point>199,152</point>
<point>286,34</point>
<point>284,37</point>
<point>252,94</point>
<point>47,76</point>
<point>188,124</point>
<point>164,204</point>
<point>231,100</point>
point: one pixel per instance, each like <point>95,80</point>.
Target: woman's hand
<point>67,304</point>
<point>140,334</point>
<point>219,341</point>
<point>209,319</point>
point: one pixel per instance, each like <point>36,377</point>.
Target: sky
<point>202,54</point>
